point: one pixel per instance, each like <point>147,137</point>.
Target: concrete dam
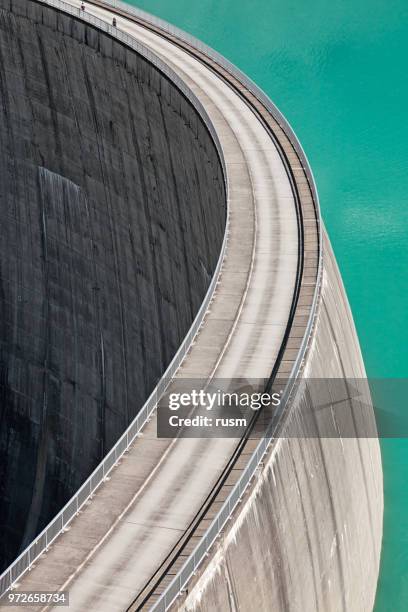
<point>161,224</point>
<point>114,208</point>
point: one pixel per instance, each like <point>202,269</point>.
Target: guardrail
<point>41,543</point>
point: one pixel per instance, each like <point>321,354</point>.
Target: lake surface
<point>338,71</point>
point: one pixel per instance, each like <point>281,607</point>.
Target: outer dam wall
<point>113,211</point>
<point>307,537</point>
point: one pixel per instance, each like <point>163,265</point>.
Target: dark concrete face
<point>113,210</point>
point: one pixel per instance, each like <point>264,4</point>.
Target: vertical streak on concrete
<point>104,173</point>
<point>176,195</point>
<point>38,485</point>
<point>151,252</point>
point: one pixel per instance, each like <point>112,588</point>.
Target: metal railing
<point>41,543</point>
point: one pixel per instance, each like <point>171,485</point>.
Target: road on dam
<point>124,533</point>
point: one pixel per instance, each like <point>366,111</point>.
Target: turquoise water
<point>338,71</point>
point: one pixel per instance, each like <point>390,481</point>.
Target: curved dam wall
<point>113,211</point>
<point>307,536</point>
